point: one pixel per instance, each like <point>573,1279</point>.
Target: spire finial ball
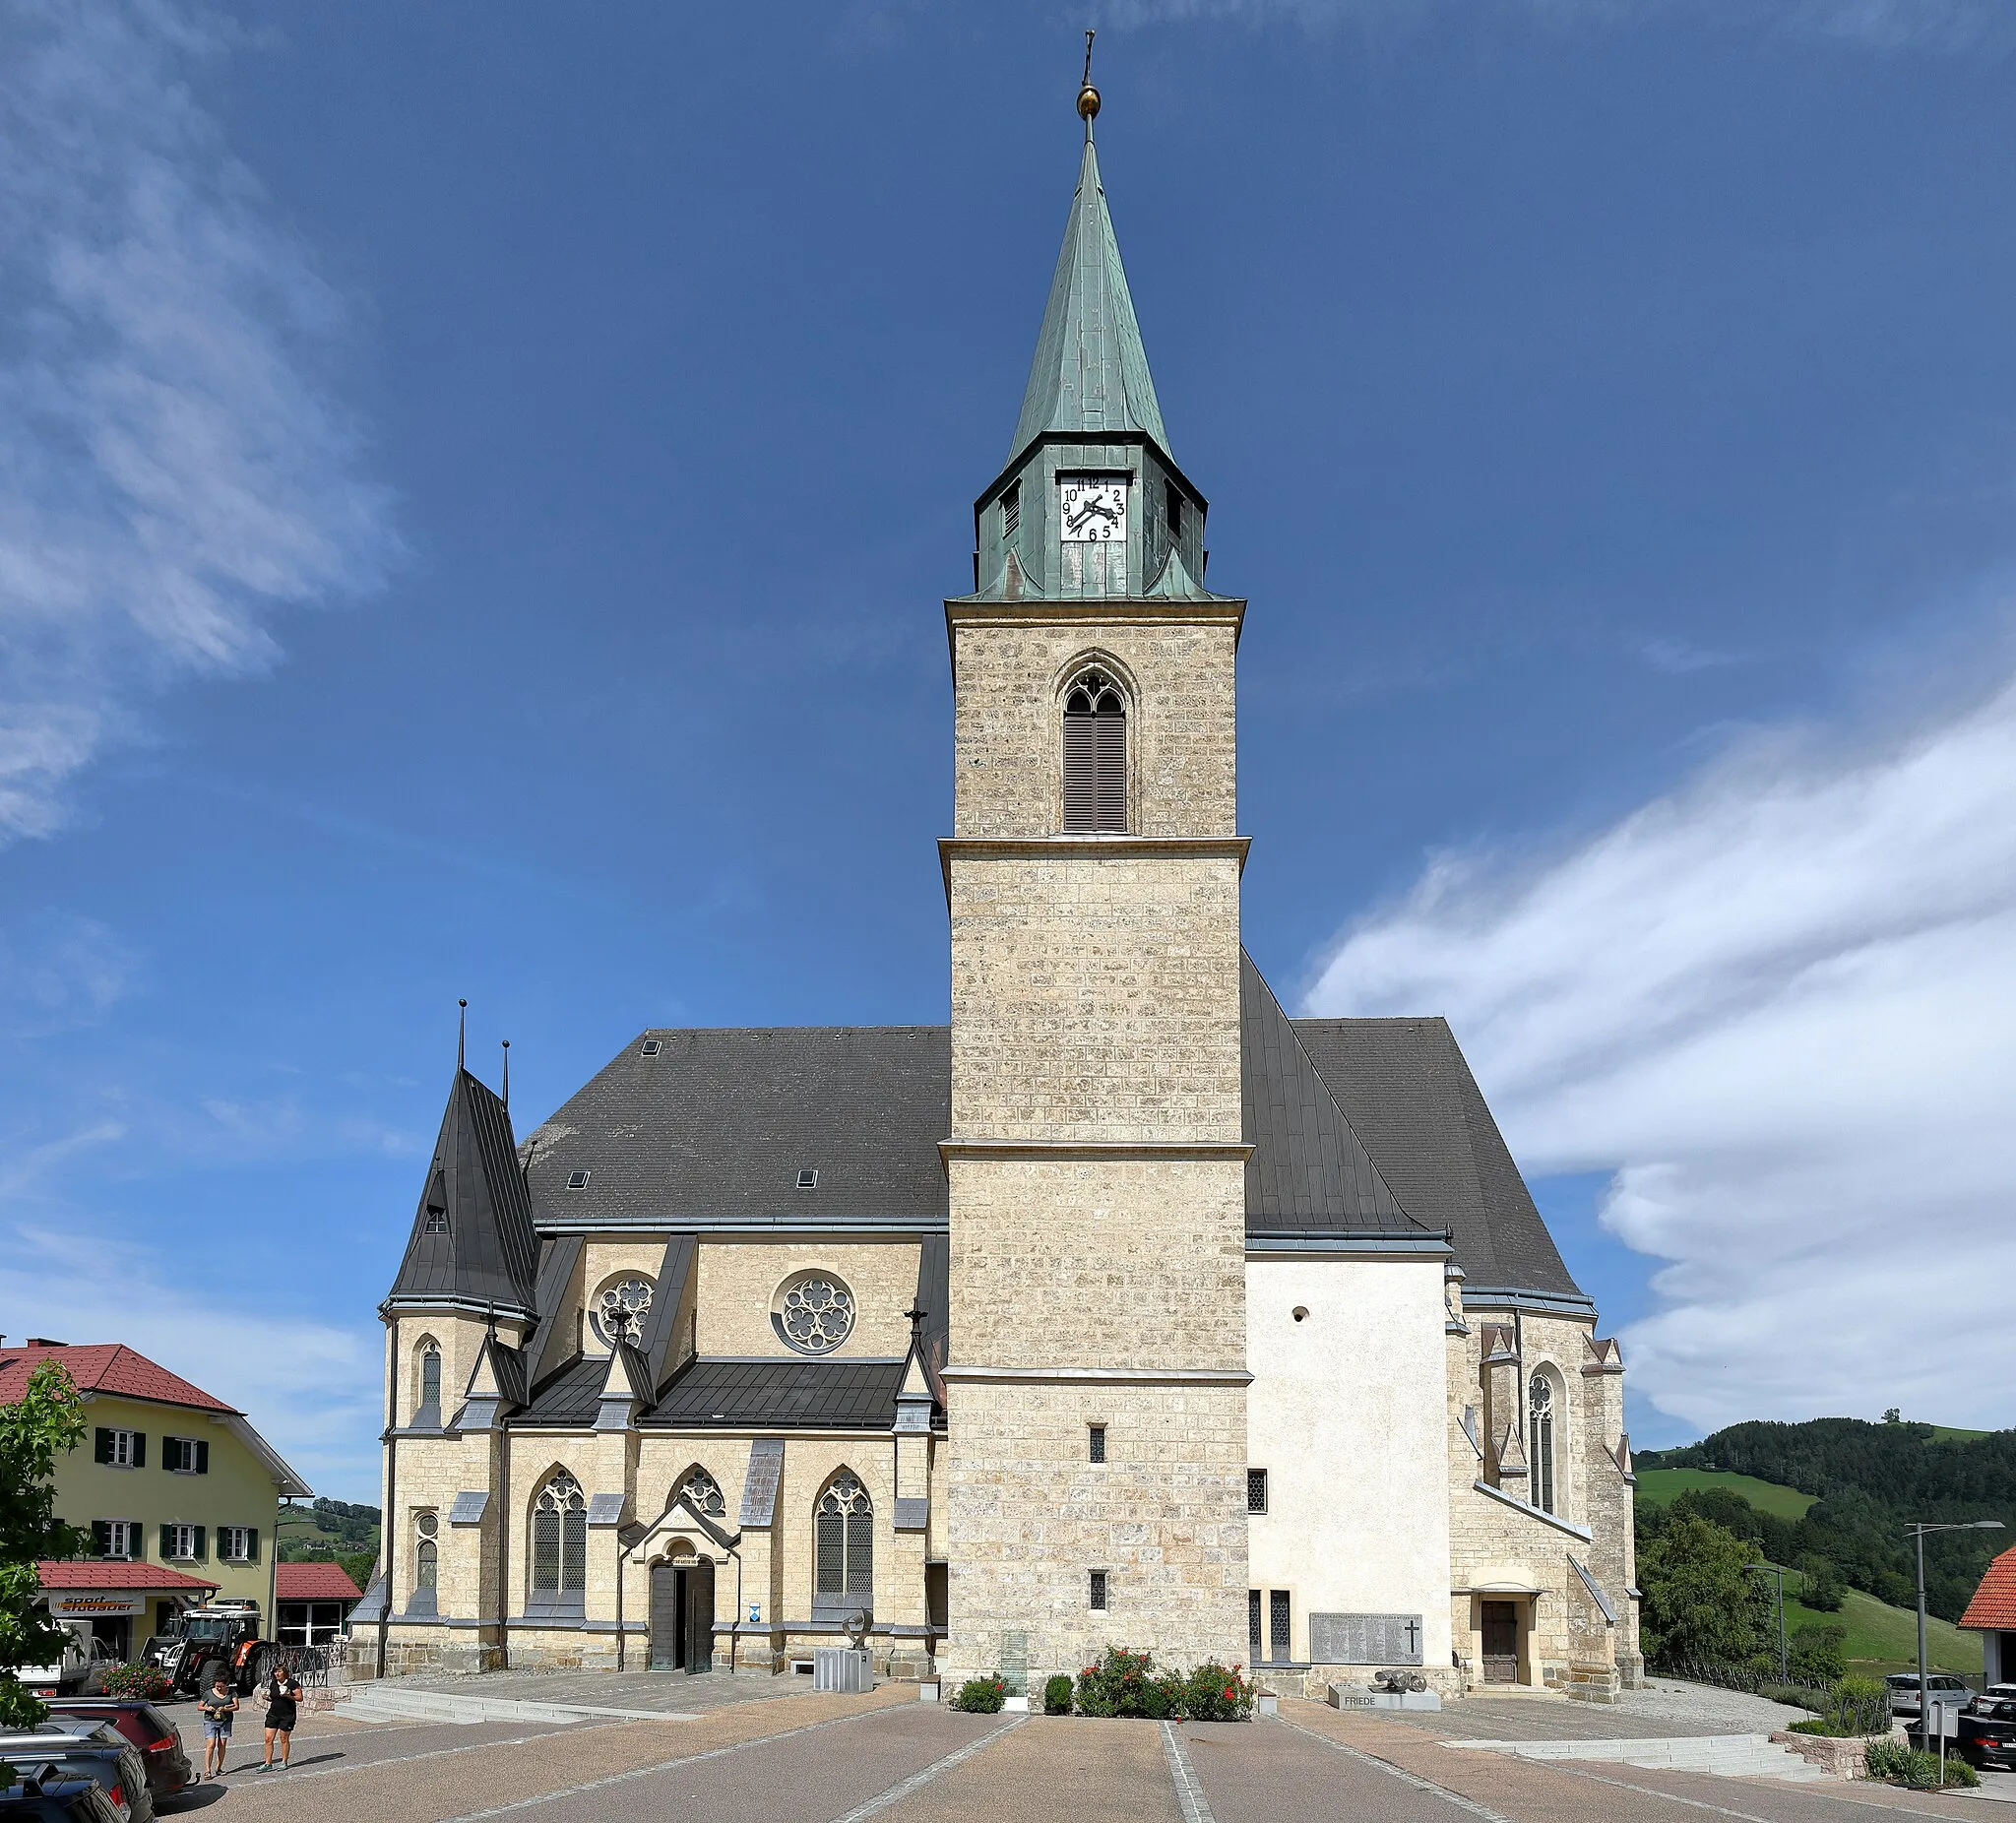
<point>1087,103</point>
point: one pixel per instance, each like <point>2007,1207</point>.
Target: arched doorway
<point>682,1615</point>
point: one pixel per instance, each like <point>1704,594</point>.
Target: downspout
<point>386,1521</point>
<point>622,1551</point>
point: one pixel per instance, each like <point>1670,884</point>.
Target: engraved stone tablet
<point>1365,1639</point>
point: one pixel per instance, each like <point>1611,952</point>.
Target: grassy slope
<point>1946,1433</point>
<point>1655,1486</point>
<point>1883,1638</point>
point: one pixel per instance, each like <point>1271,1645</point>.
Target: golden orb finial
<point>1088,95</point>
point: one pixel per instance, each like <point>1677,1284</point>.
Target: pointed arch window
<point>843,1549</point>
<point>1094,757</point>
<point>427,1411</point>
<point>1540,1441</point>
<point>559,1545</point>
<point>702,1492</point>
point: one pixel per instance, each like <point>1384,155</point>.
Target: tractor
<point>216,1639</point>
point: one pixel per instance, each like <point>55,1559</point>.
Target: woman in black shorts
<point>282,1694</point>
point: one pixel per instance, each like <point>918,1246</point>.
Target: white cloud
<point>174,466</point>
<point>1780,1005</point>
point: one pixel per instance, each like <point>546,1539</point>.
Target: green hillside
<point>1656,1486</point>
<point>1883,1638</point>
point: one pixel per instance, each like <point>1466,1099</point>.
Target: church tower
<point>1096,1387</point>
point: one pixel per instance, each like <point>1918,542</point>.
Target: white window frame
<point>181,1542</point>
<point>179,1455</point>
<point>240,1535</point>
<point>122,1448</point>
<point>122,1537</point>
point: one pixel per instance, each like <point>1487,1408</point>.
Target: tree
<point>1820,1585</point>
<point>1701,1604</point>
<point>1893,1417</point>
<point>47,1422</point>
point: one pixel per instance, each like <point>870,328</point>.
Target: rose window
<point>815,1313</point>
<point>618,1310</point>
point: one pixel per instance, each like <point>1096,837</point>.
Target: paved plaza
<point>844,1759</point>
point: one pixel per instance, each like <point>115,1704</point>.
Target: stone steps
<point>1727,1756</point>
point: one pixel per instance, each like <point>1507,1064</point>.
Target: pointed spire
<point>506,1095</point>
<point>461,1036</point>
<point>1091,372</point>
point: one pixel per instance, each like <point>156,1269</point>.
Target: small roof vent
<point>809,1179</point>
<point>577,1180</point>
<point>652,1048</point>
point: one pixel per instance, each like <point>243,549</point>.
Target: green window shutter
<point>251,1543</point>
<point>201,1542</point>
<point>101,1536</point>
<point>202,1458</point>
<point>140,1449</point>
<point>102,1451</point>
<point>168,1543</point>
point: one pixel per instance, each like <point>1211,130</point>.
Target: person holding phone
<point>282,1697</point>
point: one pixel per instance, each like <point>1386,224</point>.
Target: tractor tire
<point>261,1665</point>
<point>212,1670</point>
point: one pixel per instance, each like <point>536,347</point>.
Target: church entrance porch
<point>682,1616</point>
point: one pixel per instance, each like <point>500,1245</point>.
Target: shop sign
<point>110,1602</point>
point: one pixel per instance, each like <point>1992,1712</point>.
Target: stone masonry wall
<point>739,1278</point>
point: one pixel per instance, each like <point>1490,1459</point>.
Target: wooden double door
<point>682,1617</point>
<point>1501,1642</point>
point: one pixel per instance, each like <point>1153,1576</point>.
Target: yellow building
<point>175,1486</point>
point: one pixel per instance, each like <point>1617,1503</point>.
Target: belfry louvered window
<point>843,1549</point>
<point>1094,757</point>
<point>559,1545</point>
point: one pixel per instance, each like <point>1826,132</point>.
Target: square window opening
<point>1098,1443</point>
<point>577,1180</point>
<point>652,1048</point>
<point>809,1179</point>
<point>1098,1592</point>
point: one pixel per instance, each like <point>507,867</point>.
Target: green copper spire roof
<point>1091,372</point>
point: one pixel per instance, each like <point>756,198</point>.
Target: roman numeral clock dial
<point>1093,508</point>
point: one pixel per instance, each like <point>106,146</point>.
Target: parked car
<point>1904,1689</point>
<point>58,1800</point>
<point>79,1747</point>
<point>158,1739</point>
<point>1988,1732</point>
<point>82,1668</point>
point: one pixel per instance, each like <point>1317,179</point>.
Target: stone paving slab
<point>1050,1769</point>
<point>1529,1718</point>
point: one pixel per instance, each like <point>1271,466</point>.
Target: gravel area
<point>1670,1700</point>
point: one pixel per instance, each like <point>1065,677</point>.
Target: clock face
<point>1094,507</point>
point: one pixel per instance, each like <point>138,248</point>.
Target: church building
<point>1123,1309</point>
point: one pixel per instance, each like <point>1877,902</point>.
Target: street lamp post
<point>1772,1569</point>
<point>1917,1536</point>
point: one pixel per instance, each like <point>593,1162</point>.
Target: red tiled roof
<point>1995,1601</point>
<point>109,1573</point>
<point>103,1367</point>
<point>314,1582</point>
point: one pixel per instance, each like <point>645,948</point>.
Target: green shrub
<point>1796,1696</point>
<point>1861,1705</point>
<point>1115,1685</point>
<point>1057,1695</point>
<point>1820,1584</point>
<point>1893,1761</point>
<point>1819,1653</point>
<point>1214,1692</point>
<point>147,1680</point>
<point>1812,1724</point>
<point>981,1696</point>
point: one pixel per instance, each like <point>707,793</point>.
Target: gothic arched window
<point>843,1549</point>
<point>1540,1441</point>
<point>702,1492</point>
<point>428,1413</point>
<point>559,1540</point>
<point>1094,757</point>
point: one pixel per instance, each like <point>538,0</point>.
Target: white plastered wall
<point>1347,1415</point>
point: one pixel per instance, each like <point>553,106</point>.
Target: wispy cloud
<point>175,465</point>
<point>1780,1006</point>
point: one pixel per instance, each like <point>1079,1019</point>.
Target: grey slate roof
<point>1308,1172</point>
<point>488,1253</point>
<point>1091,372</point>
<point>720,1122</point>
<point>781,1394</point>
<point>569,1397</point>
<point>1410,1096</point>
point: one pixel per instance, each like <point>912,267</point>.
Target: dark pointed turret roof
<point>485,1251</point>
<point>1091,373</point>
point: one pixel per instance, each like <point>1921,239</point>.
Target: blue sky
<point>477,487</point>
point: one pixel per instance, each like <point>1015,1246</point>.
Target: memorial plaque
<point>1365,1639</point>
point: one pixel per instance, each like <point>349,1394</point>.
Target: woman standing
<point>282,1695</point>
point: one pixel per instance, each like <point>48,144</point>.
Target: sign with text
<point>1365,1639</point>
<point>111,1602</point>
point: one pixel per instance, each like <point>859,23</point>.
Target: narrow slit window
<point>1256,1491</point>
<point>1277,1612</point>
<point>1255,1648</point>
<point>1011,512</point>
<point>1098,1592</point>
<point>1095,758</point>
<point>1172,512</point>
<point>1098,1443</point>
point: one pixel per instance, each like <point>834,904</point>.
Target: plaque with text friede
<point>1365,1639</point>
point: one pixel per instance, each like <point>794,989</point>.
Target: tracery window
<point>1094,757</point>
<point>619,1308</point>
<point>559,1540</point>
<point>427,1552</point>
<point>702,1492</point>
<point>843,1549</point>
<point>427,1413</point>
<point>813,1312</point>
<point>1540,1441</point>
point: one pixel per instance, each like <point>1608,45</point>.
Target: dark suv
<point>155,1738</point>
<point>1988,1732</point>
<point>81,1747</point>
<point>57,1800</point>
